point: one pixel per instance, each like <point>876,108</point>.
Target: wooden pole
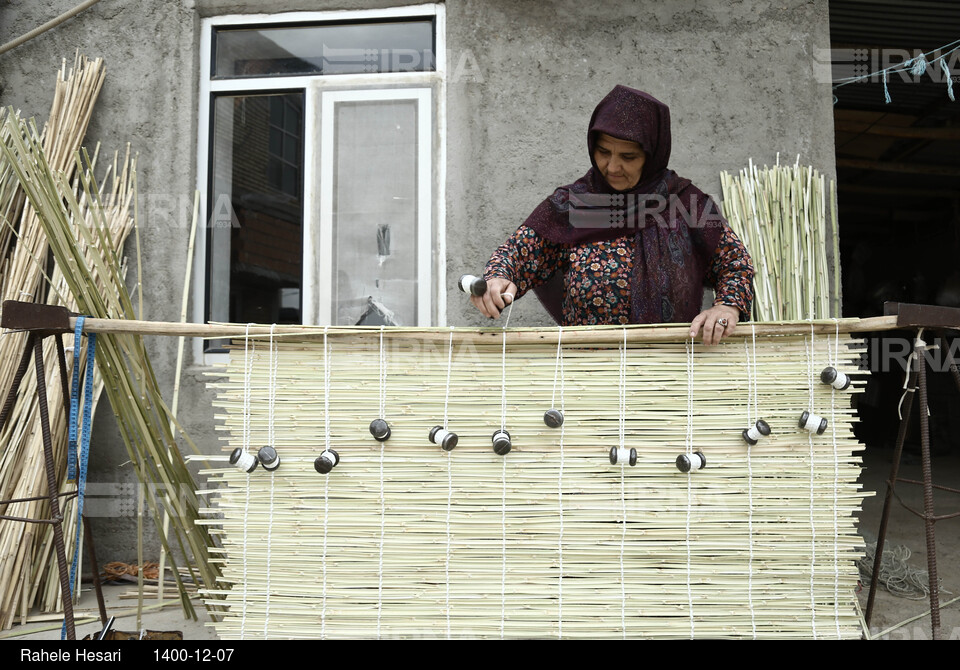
<point>583,335</point>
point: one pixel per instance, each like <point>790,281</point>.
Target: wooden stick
<point>584,335</point>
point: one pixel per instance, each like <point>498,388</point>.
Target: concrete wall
<point>738,77</point>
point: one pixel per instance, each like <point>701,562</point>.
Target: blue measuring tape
<point>84,452</point>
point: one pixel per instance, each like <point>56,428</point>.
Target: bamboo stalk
<point>179,366</point>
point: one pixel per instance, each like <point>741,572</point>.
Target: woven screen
<point>404,539</point>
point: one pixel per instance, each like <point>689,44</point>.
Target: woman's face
<point>619,161</point>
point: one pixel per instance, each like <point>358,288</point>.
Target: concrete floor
<point>904,529</point>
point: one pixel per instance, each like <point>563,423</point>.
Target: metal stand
<point>43,321</point>
<point>918,317</point>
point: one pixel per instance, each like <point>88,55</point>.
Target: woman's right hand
<point>500,293</point>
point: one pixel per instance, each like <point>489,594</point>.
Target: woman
<point>630,241</point>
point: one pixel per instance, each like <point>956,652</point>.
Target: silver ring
<point>722,322</point>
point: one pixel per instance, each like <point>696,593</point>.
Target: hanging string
<point>906,378</point>
<point>752,385</point>
<point>623,486</point>
<point>836,478</point>
<point>689,479</point>
<point>916,66</point>
<point>446,402</point>
<point>503,375</point>
<point>446,395</point>
<point>272,390</point>
<point>383,508</point>
<point>326,482</point>
<point>447,562</point>
<point>813,528</point>
<point>949,78</point>
<point>503,547</point>
<point>558,372</point>
<point>271,419</point>
<point>503,475</point>
<point>383,516</point>
<point>249,349</point>
<point>383,380</point>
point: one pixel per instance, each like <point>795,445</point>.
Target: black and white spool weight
<point>326,461</point>
<point>501,443</point>
<point>813,423</point>
<point>691,462</point>
<point>553,417</point>
<point>472,285</point>
<point>752,435</point>
<point>243,460</point>
<point>380,430</point>
<point>623,456</point>
<point>268,458</point>
<point>443,437</point>
<point>835,378</point>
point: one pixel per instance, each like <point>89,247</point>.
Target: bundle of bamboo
<point>28,570</point>
<point>780,213</point>
<point>76,220</point>
<point>404,539</point>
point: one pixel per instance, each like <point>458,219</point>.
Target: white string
<point>326,391</point>
<point>326,481</point>
<point>272,390</point>
<point>503,523</point>
<point>503,507</point>
<point>813,528</point>
<point>509,311</point>
<point>623,486</point>
<point>751,381</point>
<point>383,508</point>
<point>556,369</point>
<point>245,431</point>
<point>503,380</point>
<point>623,388</point>
<point>272,399</point>
<point>266,617</point>
<point>689,478</point>
<point>383,516</point>
<point>247,374</point>
<point>383,379</point>
<point>446,395</point>
<point>323,561</point>
<point>836,480</point>
<point>559,369</point>
<point>447,564</point>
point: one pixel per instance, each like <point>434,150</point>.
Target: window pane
<point>255,234</point>
<point>375,213</point>
<point>389,46</point>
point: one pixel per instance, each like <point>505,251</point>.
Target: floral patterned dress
<point>596,276</point>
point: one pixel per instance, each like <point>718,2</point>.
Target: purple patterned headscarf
<point>677,226</point>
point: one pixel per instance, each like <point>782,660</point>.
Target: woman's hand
<point>500,293</point>
<point>717,322</point>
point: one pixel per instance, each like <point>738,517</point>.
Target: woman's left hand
<point>717,322</point>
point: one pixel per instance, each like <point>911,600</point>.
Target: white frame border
<point>312,86</point>
<point>323,301</point>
